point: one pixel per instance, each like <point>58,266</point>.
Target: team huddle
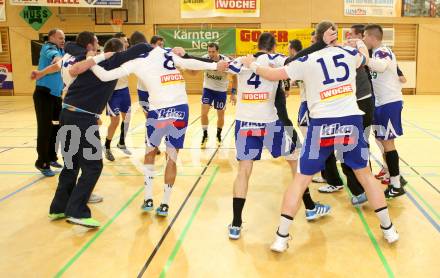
<point>347,91</point>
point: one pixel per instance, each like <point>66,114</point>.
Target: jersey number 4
<point>337,64</point>
<point>254,80</point>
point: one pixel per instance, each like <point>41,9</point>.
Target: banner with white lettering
<point>70,3</point>
<point>2,10</point>
<point>216,8</point>
<point>384,8</point>
<point>195,41</point>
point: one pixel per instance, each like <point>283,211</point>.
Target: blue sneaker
<point>162,210</point>
<point>147,205</point>
<point>234,232</point>
<point>46,171</point>
<point>55,164</point>
<point>358,201</point>
<point>319,211</point>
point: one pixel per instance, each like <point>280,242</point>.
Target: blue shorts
<point>388,120</point>
<point>171,123</point>
<point>303,114</point>
<point>324,136</point>
<point>119,102</point>
<point>143,100</point>
<point>251,137</point>
<point>214,98</point>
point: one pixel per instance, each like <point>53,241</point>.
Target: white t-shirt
<point>386,85</point>
<point>215,80</point>
<point>122,83</point>
<point>158,73</point>
<point>256,95</point>
<point>330,78</point>
<point>140,86</point>
<point>65,63</point>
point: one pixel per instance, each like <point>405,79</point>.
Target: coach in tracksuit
<point>47,103</point>
<point>85,100</point>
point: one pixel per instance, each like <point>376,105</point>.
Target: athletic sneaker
<point>318,179</point>
<point>204,141</point>
<point>109,155</point>
<point>124,149</point>
<point>382,174</point>
<point>219,139</point>
<point>162,210</point>
<point>55,164</point>
<point>330,188</point>
<point>47,172</point>
<point>86,222</point>
<point>393,192</point>
<point>281,243</point>
<point>319,211</point>
<point>387,181</point>
<point>359,200</point>
<point>234,232</point>
<point>147,205</point>
<point>390,234</point>
<point>56,216</point>
<point>95,199</point>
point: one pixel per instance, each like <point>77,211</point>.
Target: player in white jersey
<point>257,125</point>
<point>335,123</point>
<point>168,115</point>
<point>215,87</point>
<point>118,105</point>
<point>388,104</point>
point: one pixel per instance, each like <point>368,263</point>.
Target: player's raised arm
<point>117,73</point>
<point>272,74</point>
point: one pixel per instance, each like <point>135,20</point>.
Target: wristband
<point>233,91</point>
<point>254,66</point>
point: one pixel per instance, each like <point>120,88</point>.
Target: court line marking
<point>21,189</point>
<point>159,244</point>
<point>414,201</point>
<point>424,130</point>
<point>188,224</point>
<point>421,176</point>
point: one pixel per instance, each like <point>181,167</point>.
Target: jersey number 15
<point>337,63</point>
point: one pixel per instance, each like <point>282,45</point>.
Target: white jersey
<point>256,95</point>
<point>140,86</point>
<point>215,80</point>
<point>330,78</point>
<point>302,90</point>
<point>158,73</point>
<point>122,83</point>
<point>386,85</point>
<point>65,64</point>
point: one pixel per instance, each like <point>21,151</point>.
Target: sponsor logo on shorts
<point>248,129</point>
<point>255,97</point>
<point>170,117</point>
<point>335,134</point>
<point>337,92</point>
<point>170,79</point>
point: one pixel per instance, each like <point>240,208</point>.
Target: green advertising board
<point>195,41</point>
<point>35,16</point>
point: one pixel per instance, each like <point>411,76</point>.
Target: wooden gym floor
<point>192,241</point>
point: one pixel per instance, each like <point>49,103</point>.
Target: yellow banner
<point>247,39</point>
<point>216,8</point>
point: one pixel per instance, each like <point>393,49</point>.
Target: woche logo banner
<point>216,8</point>
<point>70,3</point>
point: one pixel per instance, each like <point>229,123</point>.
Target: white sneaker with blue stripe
<point>234,232</point>
<point>319,211</point>
<point>281,243</point>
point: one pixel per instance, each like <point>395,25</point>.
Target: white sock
<point>285,222</point>
<point>384,217</point>
<point>395,181</point>
<point>148,181</point>
<point>167,193</point>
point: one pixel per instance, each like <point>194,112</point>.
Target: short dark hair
<point>52,32</point>
<point>137,37</point>
<point>213,44</point>
<point>266,41</point>
<point>358,28</point>
<point>376,30</point>
<point>84,38</point>
<point>296,44</point>
<point>322,27</point>
<point>113,45</point>
<point>313,33</point>
<point>119,35</point>
<point>155,39</point>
